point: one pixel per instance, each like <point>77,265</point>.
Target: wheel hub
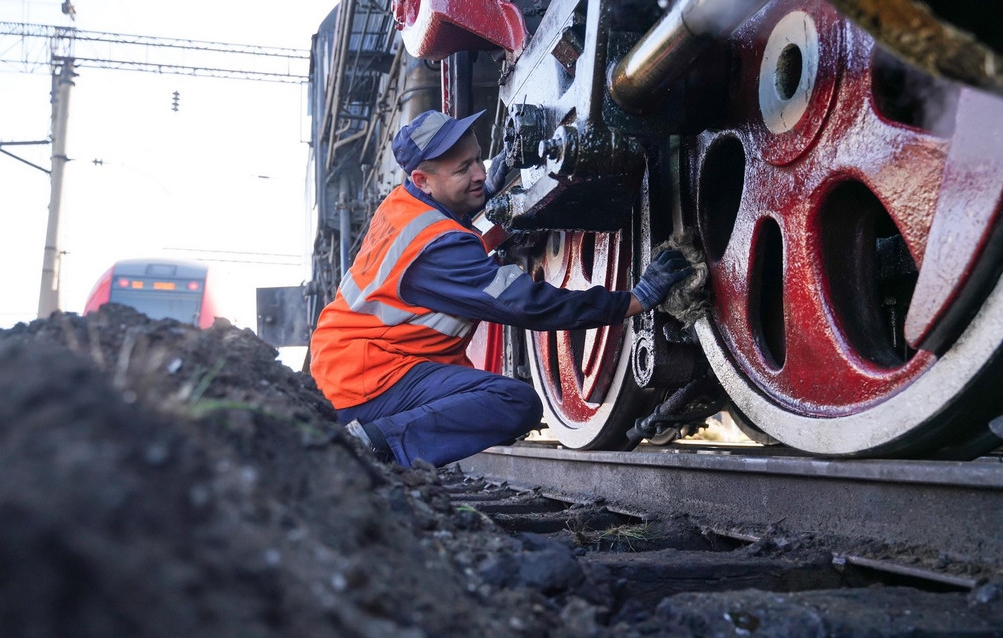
<point>789,72</point>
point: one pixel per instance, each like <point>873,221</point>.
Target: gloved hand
<point>495,180</point>
<point>666,269</point>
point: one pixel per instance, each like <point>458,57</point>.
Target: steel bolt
<point>550,149</point>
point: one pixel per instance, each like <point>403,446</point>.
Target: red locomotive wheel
<point>589,395</point>
<point>849,210</point>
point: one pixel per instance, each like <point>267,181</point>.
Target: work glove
<point>666,269</point>
<point>495,180</point>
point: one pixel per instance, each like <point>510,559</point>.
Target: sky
<point>222,180</point>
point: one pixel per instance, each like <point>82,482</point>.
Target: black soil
<point>160,480</point>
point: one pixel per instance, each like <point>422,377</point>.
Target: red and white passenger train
<point>837,163</point>
<point>158,288</point>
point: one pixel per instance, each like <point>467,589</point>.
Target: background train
<point>158,288</point>
<point>834,166</point>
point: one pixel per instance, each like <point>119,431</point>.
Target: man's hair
<point>428,166</point>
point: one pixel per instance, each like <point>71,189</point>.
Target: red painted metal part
<point>448,107</point>
<point>486,347</point>
<point>100,294</point>
<point>435,29</point>
<point>577,366</point>
<point>209,311</point>
<point>791,180</point>
<point>966,213</point>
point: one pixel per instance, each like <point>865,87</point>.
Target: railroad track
<point>742,524</point>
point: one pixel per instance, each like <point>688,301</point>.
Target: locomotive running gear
<point>427,137</point>
<point>666,269</point>
<point>442,413</point>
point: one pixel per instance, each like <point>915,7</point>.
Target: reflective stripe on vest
<point>356,299</point>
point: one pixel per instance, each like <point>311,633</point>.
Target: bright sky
<point>223,180</point>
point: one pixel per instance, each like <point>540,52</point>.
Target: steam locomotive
<point>833,167</point>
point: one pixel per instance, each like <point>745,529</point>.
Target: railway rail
<point>734,548</point>
<point>936,520</point>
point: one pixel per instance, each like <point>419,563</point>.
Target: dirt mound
<point>159,480</point>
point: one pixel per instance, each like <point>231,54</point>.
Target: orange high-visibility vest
<point>368,337</point>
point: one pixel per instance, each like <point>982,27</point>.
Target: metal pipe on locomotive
<point>846,202</point>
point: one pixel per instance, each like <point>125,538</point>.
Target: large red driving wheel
<point>848,208</point>
<point>584,376</point>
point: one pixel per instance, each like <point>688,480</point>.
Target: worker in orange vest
<point>390,351</point>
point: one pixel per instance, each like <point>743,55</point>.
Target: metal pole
<point>345,239</point>
<point>346,16</point>
<point>48,296</point>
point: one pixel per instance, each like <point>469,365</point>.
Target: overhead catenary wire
<point>105,50</point>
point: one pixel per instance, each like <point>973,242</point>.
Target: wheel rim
<point>815,208</point>
<point>584,376</point>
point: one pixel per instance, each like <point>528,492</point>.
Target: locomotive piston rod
<point>664,54</point>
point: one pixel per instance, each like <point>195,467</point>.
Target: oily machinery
<point>831,168</point>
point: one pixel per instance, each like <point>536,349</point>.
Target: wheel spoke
<point>966,212</point>
<point>584,375</point>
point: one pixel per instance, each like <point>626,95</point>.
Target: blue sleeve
<point>455,276</point>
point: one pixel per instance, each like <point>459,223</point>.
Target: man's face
<point>455,179</point>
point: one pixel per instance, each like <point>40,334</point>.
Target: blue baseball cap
<point>428,136</point>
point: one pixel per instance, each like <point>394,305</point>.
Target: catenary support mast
<point>48,294</point>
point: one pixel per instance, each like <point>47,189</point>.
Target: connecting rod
<point>664,54</point>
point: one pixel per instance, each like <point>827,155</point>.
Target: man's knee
<point>526,405</point>
<point>534,407</point>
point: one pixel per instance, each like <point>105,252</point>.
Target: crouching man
<point>389,351</point>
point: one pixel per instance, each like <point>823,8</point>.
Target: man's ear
<point>420,179</point>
